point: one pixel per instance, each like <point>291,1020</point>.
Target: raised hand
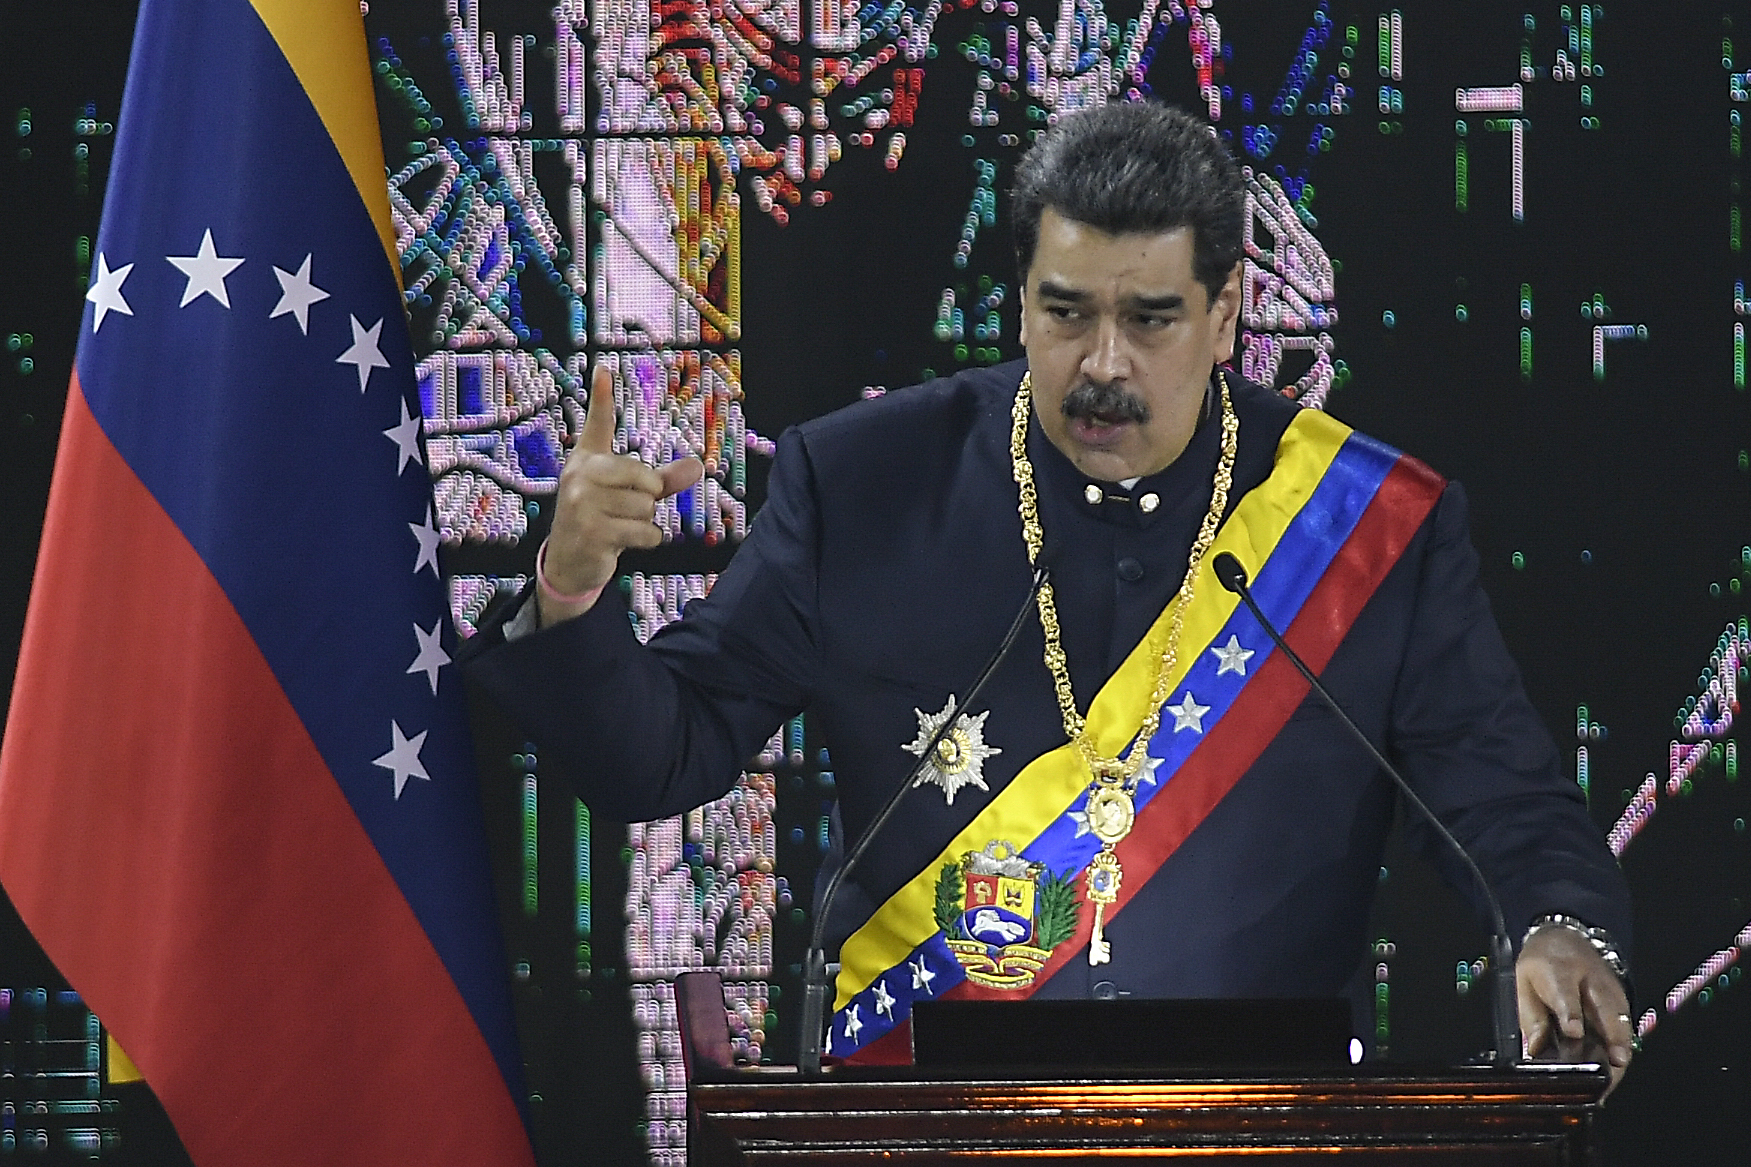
<point>607,503</point>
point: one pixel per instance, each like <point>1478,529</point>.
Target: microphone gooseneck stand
<point>815,986</point>
<point>1505,1010</point>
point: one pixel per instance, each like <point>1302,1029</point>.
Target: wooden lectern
<point>921,1116</point>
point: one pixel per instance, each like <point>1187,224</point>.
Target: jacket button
<point>1148,503</point>
<point>1130,570</point>
<point>1093,494</point>
<point>1105,991</point>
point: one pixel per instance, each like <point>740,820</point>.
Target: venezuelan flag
<point>237,799</point>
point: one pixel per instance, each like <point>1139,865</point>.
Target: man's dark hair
<point>1134,167</point>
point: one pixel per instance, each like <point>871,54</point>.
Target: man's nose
<point>1109,359</point>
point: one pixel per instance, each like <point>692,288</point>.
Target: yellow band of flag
<point>324,42</point>
<point>121,1067</point>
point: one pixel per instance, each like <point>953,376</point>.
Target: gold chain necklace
<point>1111,806</point>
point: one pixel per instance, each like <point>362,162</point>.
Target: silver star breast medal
<point>959,758</point>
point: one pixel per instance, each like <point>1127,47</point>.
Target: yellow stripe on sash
<point>1046,786</point>
<point>324,42</point>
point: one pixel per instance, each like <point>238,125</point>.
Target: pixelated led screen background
<point>1505,237</point>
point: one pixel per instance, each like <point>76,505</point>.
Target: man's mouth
<point>1099,429</point>
<point>1098,414</point>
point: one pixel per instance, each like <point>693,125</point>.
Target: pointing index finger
<point>597,436</point>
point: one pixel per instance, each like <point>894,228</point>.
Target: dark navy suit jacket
<point>885,567</point>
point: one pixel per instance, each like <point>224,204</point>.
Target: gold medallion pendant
<point>1111,812</point>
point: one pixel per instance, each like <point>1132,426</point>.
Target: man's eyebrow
<point>1167,302</point>
<point>1171,302</point>
<point>1057,291</point>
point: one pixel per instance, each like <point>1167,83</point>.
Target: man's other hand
<point>1572,1006</point>
<point>607,503</point>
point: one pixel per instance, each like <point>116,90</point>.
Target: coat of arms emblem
<point>1002,916</point>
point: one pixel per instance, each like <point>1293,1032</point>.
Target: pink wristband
<point>546,586</point>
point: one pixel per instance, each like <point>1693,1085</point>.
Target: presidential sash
<point>998,911</point>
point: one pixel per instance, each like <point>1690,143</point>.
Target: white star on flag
<point>1146,772</point>
<point>431,656</point>
<point>403,758</point>
<point>1188,714</point>
<point>405,435</point>
<point>921,975</point>
<point>1232,656</point>
<point>852,1024</point>
<point>1080,818</point>
<point>428,537</point>
<point>206,271</point>
<point>107,292</point>
<point>364,354</point>
<point>884,1002</point>
<point>297,293</point>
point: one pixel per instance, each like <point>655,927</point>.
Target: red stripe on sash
<point>894,1048</point>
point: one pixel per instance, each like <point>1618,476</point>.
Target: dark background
<point>1626,499</point>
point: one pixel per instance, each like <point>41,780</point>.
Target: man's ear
<point>1021,310</point>
<point>1225,313</point>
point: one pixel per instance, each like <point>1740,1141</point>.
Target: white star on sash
<point>297,293</point>
<point>884,1002</point>
<point>403,758</point>
<point>405,435</point>
<point>1080,818</point>
<point>428,537</point>
<point>853,1025</point>
<point>921,975</point>
<point>1188,714</point>
<point>1232,656</point>
<point>364,354</point>
<point>107,292</point>
<point>431,656</point>
<point>206,271</point>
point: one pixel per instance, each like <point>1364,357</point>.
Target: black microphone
<point>1506,1019</point>
<point>815,985</point>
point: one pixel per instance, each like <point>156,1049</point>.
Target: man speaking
<point>1145,801</point>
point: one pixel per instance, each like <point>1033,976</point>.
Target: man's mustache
<point>1107,400</point>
